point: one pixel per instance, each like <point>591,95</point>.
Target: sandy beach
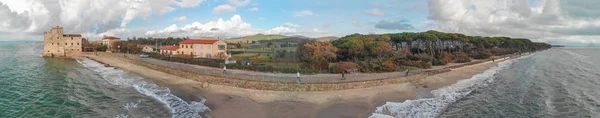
<point>227,101</point>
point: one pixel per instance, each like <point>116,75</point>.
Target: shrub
<point>346,66</point>
<point>438,62</point>
<point>446,57</point>
<point>419,64</point>
<point>482,55</point>
<point>461,57</point>
<point>424,57</point>
<point>389,66</point>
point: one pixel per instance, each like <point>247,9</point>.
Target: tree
<point>318,54</point>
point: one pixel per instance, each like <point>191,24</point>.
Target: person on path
<point>408,70</point>
<point>298,76</point>
<point>343,72</point>
<point>224,69</point>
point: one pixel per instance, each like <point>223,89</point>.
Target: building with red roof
<point>199,48</point>
<point>111,42</point>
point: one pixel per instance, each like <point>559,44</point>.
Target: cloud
<point>33,17</point>
<point>239,3</point>
<point>303,13</point>
<point>375,12</point>
<point>223,8</point>
<point>287,28</point>
<point>180,19</point>
<point>394,25</point>
<point>190,3</point>
<point>233,27</point>
<point>548,20</point>
<point>356,23</point>
<point>253,9</point>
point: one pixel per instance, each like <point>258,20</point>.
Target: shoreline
<point>362,101</point>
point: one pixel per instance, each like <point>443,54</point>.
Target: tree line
<point>396,51</point>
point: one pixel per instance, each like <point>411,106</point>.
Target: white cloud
<point>375,12</point>
<point>287,28</point>
<point>223,8</point>
<point>180,19</point>
<point>33,17</point>
<point>234,27</point>
<point>303,13</point>
<point>357,23</point>
<point>190,3</point>
<point>253,9</point>
<point>239,3</point>
<point>545,21</point>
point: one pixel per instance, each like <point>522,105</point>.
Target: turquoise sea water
<point>35,87</point>
<point>555,83</point>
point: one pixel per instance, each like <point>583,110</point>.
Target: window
<point>221,47</point>
<point>71,43</point>
<point>181,46</point>
<point>186,46</point>
<point>71,38</point>
<point>66,44</point>
<point>77,43</point>
<point>52,43</point>
<point>209,47</point>
<point>57,50</point>
<point>191,46</point>
<point>201,47</point>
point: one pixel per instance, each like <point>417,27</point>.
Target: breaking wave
<point>179,107</point>
<point>433,107</point>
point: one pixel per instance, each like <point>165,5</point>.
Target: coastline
<point>266,103</point>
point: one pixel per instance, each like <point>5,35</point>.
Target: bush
<point>425,58</point>
<point>101,48</point>
<point>438,62</point>
<point>446,57</point>
<point>419,64</point>
<point>461,57</point>
<point>482,55</point>
<point>389,66</point>
<point>346,66</point>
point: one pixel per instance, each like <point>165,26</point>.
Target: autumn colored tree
<point>318,54</point>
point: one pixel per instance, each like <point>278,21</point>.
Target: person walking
<point>408,70</point>
<point>224,69</point>
<point>343,72</point>
<point>298,76</point>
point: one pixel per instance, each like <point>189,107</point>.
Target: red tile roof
<point>169,47</point>
<point>72,35</point>
<point>141,46</point>
<point>111,37</point>
<point>198,41</point>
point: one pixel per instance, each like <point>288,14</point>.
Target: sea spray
<point>179,107</point>
<point>432,107</point>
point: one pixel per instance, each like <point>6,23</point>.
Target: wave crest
<point>433,107</point>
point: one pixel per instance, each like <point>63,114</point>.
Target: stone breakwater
<point>207,80</point>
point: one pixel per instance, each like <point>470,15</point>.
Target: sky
<point>566,22</point>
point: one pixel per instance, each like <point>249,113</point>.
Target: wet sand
<point>226,101</point>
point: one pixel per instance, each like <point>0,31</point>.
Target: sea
<point>35,87</point>
<point>556,83</point>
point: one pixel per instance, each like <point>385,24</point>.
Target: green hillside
<point>326,39</point>
<point>258,37</point>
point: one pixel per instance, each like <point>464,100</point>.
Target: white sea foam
<point>179,108</point>
<point>432,107</point>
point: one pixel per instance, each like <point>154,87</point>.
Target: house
<point>203,48</point>
<point>56,43</point>
<point>146,49</point>
<point>111,42</point>
<point>168,50</point>
<point>198,48</point>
